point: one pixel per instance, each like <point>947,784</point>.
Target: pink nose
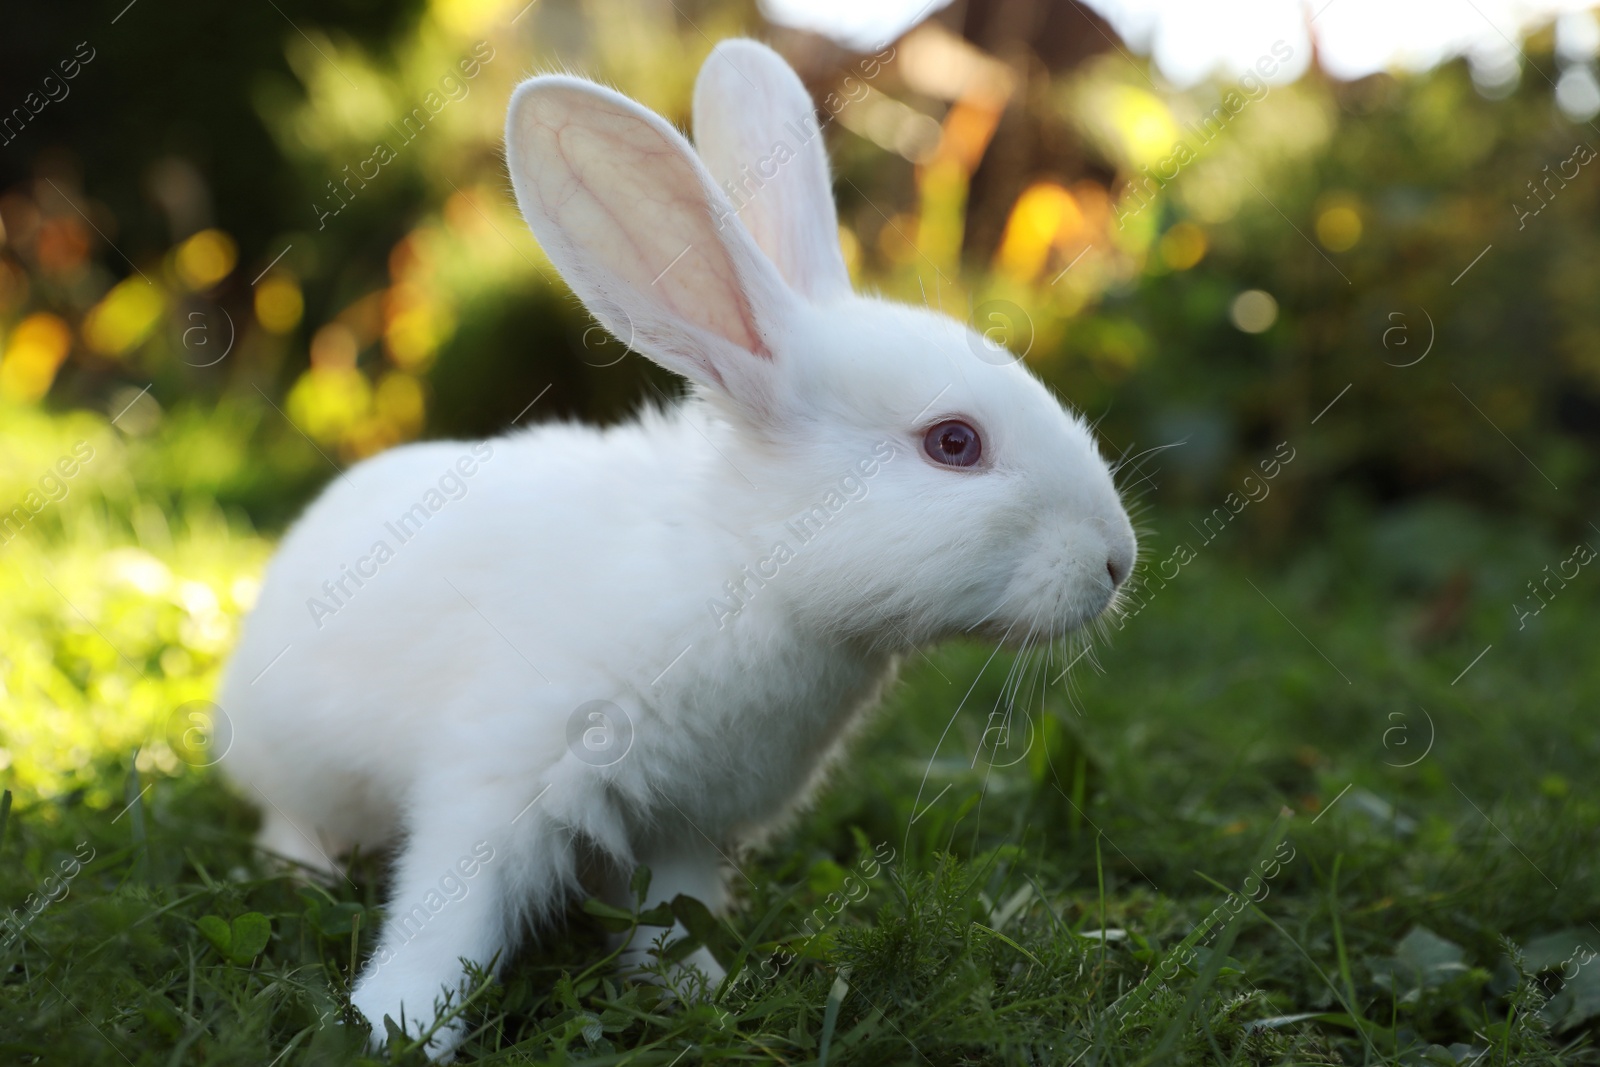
<point>1121,551</point>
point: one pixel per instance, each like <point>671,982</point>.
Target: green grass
<point>1240,734</point>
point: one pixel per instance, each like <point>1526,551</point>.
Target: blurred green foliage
<point>422,307</point>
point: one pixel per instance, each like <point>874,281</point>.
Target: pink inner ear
<point>630,202</point>
<point>756,129</point>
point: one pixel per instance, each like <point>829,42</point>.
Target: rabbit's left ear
<point>756,129</point>
<point>628,214</point>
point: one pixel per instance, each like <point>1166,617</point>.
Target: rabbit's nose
<point>1119,562</point>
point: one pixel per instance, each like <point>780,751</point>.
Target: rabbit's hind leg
<point>693,869</point>
<point>301,845</point>
<point>470,875</point>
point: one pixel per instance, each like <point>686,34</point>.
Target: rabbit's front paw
<point>413,1010</point>
<point>693,978</point>
<point>698,971</point>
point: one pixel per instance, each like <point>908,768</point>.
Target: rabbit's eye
<point>953,443</point>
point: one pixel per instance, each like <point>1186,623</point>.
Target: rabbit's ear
<point>756,129</point>
<point>627,213</point>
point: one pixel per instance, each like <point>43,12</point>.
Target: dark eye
<point>953,443</point>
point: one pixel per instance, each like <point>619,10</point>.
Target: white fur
<point>432,706</point>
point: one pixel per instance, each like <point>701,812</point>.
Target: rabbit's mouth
<point>1024,632</point>
<point>1051,596</point>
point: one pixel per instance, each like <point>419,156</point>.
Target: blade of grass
<point>1338,933</point>
<point>5,817</point>
<point>1359,1024</point>
<point>450,1014</point>
<point>355,945</point>
<point>737,964</point>
<point>141,866</point>
<point>1208,975</point>
<point>1049,909</point>
<point>1219,951</point>
<point>1137,996</point>
<point>1100,878</point>
<point>997,934</point>
<point>830,1016</point>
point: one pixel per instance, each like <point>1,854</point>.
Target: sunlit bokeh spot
<point>1254,311</point>
<point>416,326</point>
<point>1043,215</point>
<point>124,317</point>
<point>326,402</point>
<point>334,347</point>
<point>472,16</point>
<point>135,410</point>
<point>1132,123</point>
<point>1577,36</point>
<point>279,303</point>
<point>1578,93</point>
<point>1339,226</point>
<point>850,249</point>
<point>206,258</point>
<point>31,356</point>
<point>400,402</point>
<point>1183,246</point>
<point>62,246</point>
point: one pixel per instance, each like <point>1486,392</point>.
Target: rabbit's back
<point>453,596</point>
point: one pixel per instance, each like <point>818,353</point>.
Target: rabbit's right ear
<point>627,213</point>
<point>756,129</point>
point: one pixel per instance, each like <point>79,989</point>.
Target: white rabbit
<point>571,648</point>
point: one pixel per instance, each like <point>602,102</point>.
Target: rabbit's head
<point>911,484</point>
